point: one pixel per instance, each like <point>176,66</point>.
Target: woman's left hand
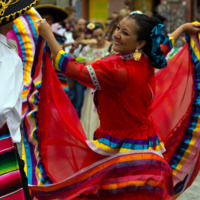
<point>45,29</point>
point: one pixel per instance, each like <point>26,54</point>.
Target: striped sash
<point>10,178</point>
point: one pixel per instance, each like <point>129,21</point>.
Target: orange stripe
<point>100,167</point>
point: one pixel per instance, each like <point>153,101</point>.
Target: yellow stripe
<point>195,49</point>
<point>104,146</point>
<point>24,157</point>
<point>28,49</point>
<point>58,58</point>
<point>130,183</point>
<point>172,40</point>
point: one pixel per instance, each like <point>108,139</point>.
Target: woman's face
<point>125,37</point>
<point>99,35</point>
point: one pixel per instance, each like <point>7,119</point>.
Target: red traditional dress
<point>125,160</point>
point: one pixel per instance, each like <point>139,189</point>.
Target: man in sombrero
<point>13,182</point>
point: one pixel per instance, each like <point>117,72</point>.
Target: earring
<point>137,55</point>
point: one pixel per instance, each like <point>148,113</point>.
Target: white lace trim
<point>94,77</point>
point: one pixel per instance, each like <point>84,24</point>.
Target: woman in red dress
<point>124,91</point>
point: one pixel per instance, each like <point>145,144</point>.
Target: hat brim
<point>15,9</point>
<point>58,13</point>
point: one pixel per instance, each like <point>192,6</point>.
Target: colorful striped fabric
<point>25,33</point>
<point>63,80</point>
<point>123,176</point>
<point>10,178</point>
<point>30,151</point>
<point>110,145</point>
<point>185,161</point>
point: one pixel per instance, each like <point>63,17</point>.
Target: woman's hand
<point>45,29</point>
<point>191,28</point>
<point>188,28</point>
<point>46,32</point>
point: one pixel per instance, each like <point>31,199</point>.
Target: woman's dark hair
<point>90,29</point>
<point>146,25</point>
<point>97,25</point>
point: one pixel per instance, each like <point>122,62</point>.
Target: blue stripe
<point>127,145</point>
<point>21,45</point>
<point>33,29</point>
<point>28,158</point>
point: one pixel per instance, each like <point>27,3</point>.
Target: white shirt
<point>69,39</point>
<point>11,85</point>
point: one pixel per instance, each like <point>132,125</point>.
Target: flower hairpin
<point>91,26</point>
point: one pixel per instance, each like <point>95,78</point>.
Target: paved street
<point>193,192</point>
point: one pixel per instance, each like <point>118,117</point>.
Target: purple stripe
<point>130,141</point>
<point>64,64</point>
<point>37,53</point>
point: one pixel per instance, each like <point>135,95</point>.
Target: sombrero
<point>58,13</point>
<point>12,9</point>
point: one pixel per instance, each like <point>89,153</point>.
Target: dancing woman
<point>127,137</point>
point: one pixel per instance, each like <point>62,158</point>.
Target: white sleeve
<point>11,85</point>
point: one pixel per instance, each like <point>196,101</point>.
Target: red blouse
<point>124,93</point>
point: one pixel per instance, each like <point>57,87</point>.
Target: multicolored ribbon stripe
<point>122,176</point>
<point>31,155</point>
<point>25,34</point>
<point>185,162</point>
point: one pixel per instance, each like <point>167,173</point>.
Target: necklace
<point>130,56</point>
<point>127,57</point>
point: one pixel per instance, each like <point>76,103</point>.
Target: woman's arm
<point>62,61</point>
<point>46,32</point>
<point>188,28</point>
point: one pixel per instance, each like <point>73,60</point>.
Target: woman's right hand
<point>191,28</point>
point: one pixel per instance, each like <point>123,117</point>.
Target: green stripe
<point>8,162</point>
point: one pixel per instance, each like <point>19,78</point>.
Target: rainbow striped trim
<point>34,167</point>
<point>110,145</point>
<point>25,34</point>
<point>116,176</point>
<point>185,161</point>
<point>61,61</point>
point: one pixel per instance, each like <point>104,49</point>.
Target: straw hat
<point>12,9</point>
<point>58,13</point>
